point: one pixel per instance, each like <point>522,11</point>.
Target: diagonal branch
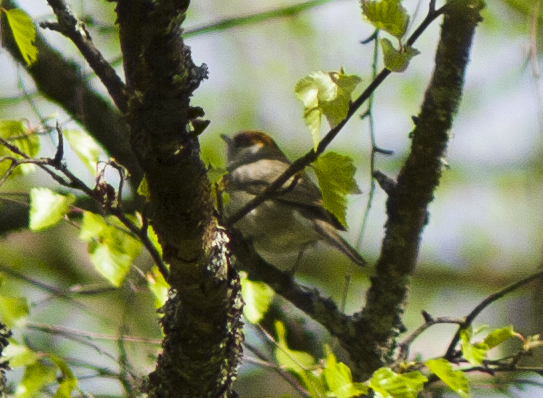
<point>301,163</point>
<point>321,309</point>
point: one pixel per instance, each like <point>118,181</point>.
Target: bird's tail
<point>332,237</point>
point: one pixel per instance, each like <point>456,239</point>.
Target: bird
<point>288,222</point>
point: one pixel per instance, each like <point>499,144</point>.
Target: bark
<point>202,347</point>
<point>407,207</point>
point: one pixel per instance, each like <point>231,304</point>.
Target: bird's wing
<point>298,191</point>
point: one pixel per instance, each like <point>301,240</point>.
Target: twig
<point>369,115</point>
<point>75,30</point>
<point>380,321</point>
<point>142,235</point>
<point>506,368</point>
<point>282,373</point>
<point>10,169</point>
<point>75,183</point>
<point>72,336</point>
<point>482,305</point>
<point>386,183</point>
<point>404,345</point>
<point>63,330</point>
<point>77,337</point>
<point>268,337</point>
<point>60,147</point>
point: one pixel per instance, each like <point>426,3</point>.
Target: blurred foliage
<point>484,226</point>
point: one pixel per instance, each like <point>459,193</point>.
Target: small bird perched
<point>288,222</point>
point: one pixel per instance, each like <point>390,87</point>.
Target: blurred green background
<point>485,225</point>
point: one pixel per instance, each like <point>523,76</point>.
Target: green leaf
<point>65,389</point>
<point>47,208</point>
<point>151,234</point>
<point>111,249</point>
<point>473,353</point>
<point>14,310</point>
<point>69,382</point>
<point>455,379</point>
<point>339,380</point>
<point>85,147</point>
<point>143,188</point>
<point>18,135</point>
<point>112,265</point>
<point>335,173</point>
<point>327,94</point>
<point>388,15</point>
<point>498,336</point>
<point>10,128</point>
<point>257,297</point>
<point>35,378</point>
<point>215,171</point>
<point>158,286</point>
<point>386,383</point>
<point>91,226</point>
<point>298,362</point>
<point>24,34</point>
<point>290,359</point>
<point>214,163</point>
<point>397,61</point>
<point>19,355</point>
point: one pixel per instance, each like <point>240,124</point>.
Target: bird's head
<point>250,146</point>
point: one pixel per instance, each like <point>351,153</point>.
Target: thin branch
<point>60,147</point>
<point>235,22</point>
<point>76,337</point>
<point>10,169</point>
<point>254,18</point>
<point>485,303</point>
<point>142,235</point>
<point>63,330</point>
<point>75,30</point>
<point>369,115</point>
<point>492,370</point>
<point>286,352</point>
<point>75,183</point>
<point>301,163</point>
<point>54,291</point>
<point>404,345</point>
<point>263,361</point>
<point>386,183</point>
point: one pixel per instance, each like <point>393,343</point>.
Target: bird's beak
<point>226,139</point>
<point>229,147</point>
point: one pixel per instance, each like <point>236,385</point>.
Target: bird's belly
<point>273,227</point>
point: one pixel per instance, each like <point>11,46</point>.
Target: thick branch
<point>380,322</point>
<point>322,310</point>
<point>201,323</point>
